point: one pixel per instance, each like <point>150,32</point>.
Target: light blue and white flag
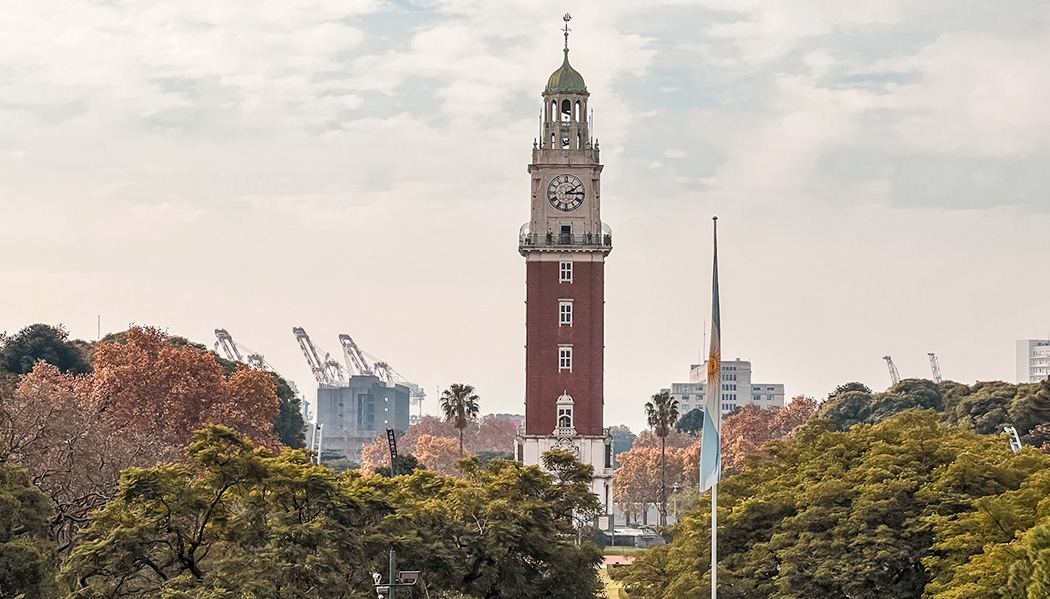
<point>711,444</point>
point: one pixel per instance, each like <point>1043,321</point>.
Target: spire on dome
<point>566,79</point>
<point>567,18</point>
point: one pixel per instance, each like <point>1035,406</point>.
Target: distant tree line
<point>988,407</point>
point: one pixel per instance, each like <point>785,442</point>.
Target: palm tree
<point>460,404</point>
<point>662,414</point>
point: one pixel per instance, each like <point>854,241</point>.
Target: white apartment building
<point>1033,360</point>
<point>737,388</point>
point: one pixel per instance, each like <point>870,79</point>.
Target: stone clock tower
<point>564,245</point>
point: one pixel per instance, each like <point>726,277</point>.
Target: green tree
<point>850,404</point>
<point>21,351</point>
<point>623,440</point>
<point>404,463</point>
<point>986,406</point>
<point>908,394</point>
<point>232,521</point>
<point>1030,408</point>
<point>27,555</point>
<point>289,426</point>
<point>691,422</point>
<point>484,457</point>
<point>877,511</point>
<point>459,403</point>
<point>502,532</point>
<point>576,502</point>
<point>661,413</point>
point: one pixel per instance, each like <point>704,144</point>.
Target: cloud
<point>362,163</point>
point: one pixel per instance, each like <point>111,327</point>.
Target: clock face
<point>565,193</point>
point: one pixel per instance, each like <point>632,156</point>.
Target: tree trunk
<point>460,442</point>
<point>663,481</point>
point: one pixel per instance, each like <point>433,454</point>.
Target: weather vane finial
<point>567,18</point>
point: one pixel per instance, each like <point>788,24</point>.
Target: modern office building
<point>737,388</point>
<point>1033,360</point>
<point>354,414</point>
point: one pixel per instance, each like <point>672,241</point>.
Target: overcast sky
<point>880,170</point>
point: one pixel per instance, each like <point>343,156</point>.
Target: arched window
<point>566,111</point>
<point>578,116</point>
<point>564,417</point>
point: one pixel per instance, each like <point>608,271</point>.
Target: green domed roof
<point>566,79</point>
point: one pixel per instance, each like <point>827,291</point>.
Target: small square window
<point>565,312</point>
<point>565,272</point>
<point>565,358</point>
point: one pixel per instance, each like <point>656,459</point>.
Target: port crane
<point>236,352</point>
<point>935,367</point>
<point>894,375</point>
<point>357,362</point>
<point>327,371</point>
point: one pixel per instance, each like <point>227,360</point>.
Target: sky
<point>879,170</point>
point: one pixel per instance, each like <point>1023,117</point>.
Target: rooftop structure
<point>737,388</point>
<point>1033,360</point>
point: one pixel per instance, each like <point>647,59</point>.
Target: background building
<point>737,388</point>
<point>1033,360</point>
<point>355,413</point>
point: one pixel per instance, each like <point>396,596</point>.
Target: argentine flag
<point>711,443</point>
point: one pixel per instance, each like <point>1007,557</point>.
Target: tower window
<point>565,312</point>
<point>564,417</point>
<point>564,358</point>
<point>565,272</point>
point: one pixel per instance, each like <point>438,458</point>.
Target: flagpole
<point>714,541</point>
<point>711,444</point>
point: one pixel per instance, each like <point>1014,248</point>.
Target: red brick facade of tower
<point>545,381</point>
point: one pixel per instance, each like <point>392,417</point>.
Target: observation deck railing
<point>551,239</point>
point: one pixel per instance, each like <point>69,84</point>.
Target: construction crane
<point>238,353</point>
<point>326,371</point>
<point>935,367</point>
<point>355,359</point>
<point>894,375</point>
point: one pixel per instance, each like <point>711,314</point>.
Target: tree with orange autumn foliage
<point>429,425</point>
<point>636,486</point>
<point>375,455</point>
<point>148,386</point>
<point>495,434</point>
<point>490,434</point>
<point>439,454</point>
<point>674,438</point>
<point>50,427</point>
<point>744,433</point>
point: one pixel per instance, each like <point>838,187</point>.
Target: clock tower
<point>565,245</point>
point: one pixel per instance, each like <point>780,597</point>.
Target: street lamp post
<point>405,578</point>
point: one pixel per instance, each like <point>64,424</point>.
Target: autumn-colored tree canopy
<point>149,387</point>
<point>489,435</point>
<point>139,403</point>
